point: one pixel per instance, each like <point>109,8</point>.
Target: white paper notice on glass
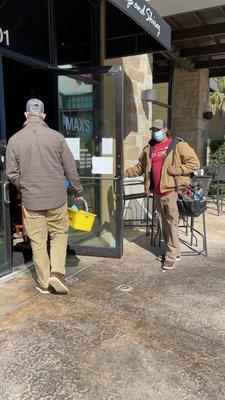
<point>107,146</point>
<point>74,145</point>
<point>102,165</point>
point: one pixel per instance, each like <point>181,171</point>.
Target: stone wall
<point>190,101</point>
<point>217,126</point>
<point>137,113</point>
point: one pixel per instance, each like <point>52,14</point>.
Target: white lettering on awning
<point>145,12</point>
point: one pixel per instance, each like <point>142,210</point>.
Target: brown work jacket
<point>182,156</point>
<point>38,160</point>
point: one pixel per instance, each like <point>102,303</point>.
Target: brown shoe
<point>168,265</point>
<point>57,281</point>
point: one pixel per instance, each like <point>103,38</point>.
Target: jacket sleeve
<point>189,160</point>
<point>138,169</point>
<point>70,168</point>
<point>12,165</point>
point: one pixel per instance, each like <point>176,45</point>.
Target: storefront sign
<point>4,36</point>
<point>79,125</point>
<point>146,16</point>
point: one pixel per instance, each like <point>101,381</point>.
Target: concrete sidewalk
<point>164,339</point>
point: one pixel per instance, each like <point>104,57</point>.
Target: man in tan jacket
<point>38,160</point>
<point>166,163</point>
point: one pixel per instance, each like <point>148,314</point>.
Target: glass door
<point>90,117</point>
<point>5,233</point>
<point>5,243</point>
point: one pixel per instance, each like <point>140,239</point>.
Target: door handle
<point>99,178</point>
<point>115,181</point>
<point>5,193</point>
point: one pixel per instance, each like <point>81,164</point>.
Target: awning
<point>146,16</point>
<point>207,53</point>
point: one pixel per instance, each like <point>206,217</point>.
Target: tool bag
<point>191,199</point>
<point>190,205</point>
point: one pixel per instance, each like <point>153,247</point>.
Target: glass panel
<point>76,117</point>
<point>101,201</point>
<point>4,234</point>
<point>87,110</point>
<point>24,27</point>
<point>3,253</point>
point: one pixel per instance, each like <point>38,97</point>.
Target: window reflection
<point>76,117</point>
<point>27,24</point>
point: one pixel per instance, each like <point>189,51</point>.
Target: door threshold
<point>20,269</point>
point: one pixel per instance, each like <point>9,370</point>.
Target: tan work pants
<point>166,207</point>
<point>40,224</point>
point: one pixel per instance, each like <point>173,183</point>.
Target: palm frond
<point>217,98</point>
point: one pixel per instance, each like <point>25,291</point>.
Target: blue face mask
<point>158,136</point>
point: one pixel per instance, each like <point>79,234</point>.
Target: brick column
<point>190,101</point>
<point>137,113</point>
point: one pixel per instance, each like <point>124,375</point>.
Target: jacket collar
<point>31,121</point>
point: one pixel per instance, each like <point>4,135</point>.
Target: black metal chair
<point>218,183</point>
<point>137,222</point>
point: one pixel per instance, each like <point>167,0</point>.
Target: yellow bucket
<point>81,220</point>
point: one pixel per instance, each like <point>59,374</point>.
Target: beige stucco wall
<point>161,90</point>
<point>190,101</point>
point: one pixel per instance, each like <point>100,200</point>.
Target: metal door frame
<point>110,252</point>
<point>116,252</point>
<point>7,267</point>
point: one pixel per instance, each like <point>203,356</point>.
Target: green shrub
<point>218,155</point>
<point>214,145</point>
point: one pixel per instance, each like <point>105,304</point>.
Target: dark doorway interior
<point>77,26</point>
<point>22,82</point>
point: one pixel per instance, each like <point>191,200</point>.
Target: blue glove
<point>74,208</point>
<point>66,183</point>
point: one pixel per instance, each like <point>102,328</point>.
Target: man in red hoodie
<point>167,163</point>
